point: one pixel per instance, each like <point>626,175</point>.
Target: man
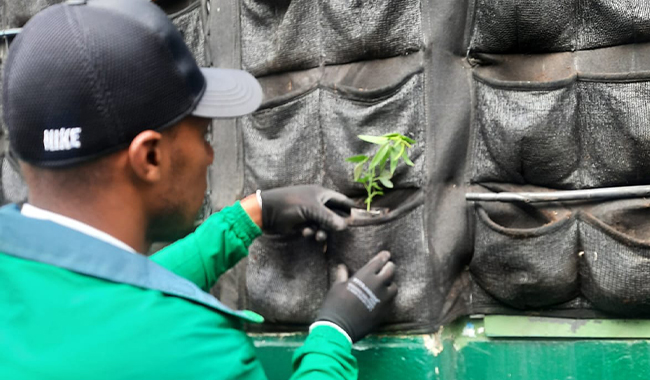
<point>107,111</point>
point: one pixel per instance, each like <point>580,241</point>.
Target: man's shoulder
<point>62,319</point>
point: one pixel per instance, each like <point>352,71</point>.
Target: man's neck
<point>37,213</point>
<point>123,223</point>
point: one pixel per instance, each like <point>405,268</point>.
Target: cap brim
<point>228,93</point>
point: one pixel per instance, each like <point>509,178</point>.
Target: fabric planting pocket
<point>604,23</point>
<point>525,256</point>
<point>279,36</point>
<point>286,279</point>
<point>282,145</point>
<point>526,133</point>
<point>616,260</point>
<point>361,30</point>
<point>530,26</point>
<point>402,233</point>
<point>399,108</point>
<point>189,23</point>
<point>521,26</point>
<point>614,133</point>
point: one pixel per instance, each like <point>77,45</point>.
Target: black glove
<point>359,304</point>
<point>288,209</point>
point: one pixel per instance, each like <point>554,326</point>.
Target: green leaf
<point>397,151</point>
<point>373,139</point>
<point>383,152</point>
<point>389,135</point>
<point>389,153</point>
<point>385,174</point>
<point>407,160</point>
<point>359,158</point>
<point>393,165</point>
<point>408,140</point>
<point>394,157</point>
<point>386,182</point>
<point>358,170</point>
<point>376,186</point>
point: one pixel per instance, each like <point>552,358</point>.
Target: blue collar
<point>50,243</point>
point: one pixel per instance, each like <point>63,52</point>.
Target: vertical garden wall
<point>500,95</point>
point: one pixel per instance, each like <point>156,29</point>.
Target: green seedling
<point>380,169</point>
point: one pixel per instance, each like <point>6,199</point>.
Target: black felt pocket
<point>526,133</point>
<point>347,113</point>
<point>402,233</point>
<point>604,23</point>
<point>520,26</point>
<point>616,259</point>
<point>289,35</point>
<point>614,133</point>
<point>189,23</point>
<point>282,145</point>
<point>360,30</point>
<point>526,257</point>
<point>286,279</point>
<point>524,26</point>
<point>279,36</point>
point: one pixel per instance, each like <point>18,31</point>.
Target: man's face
<point>183,189</point>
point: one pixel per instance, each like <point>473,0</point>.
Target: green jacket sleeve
<point>326,355</point>
<point>216,246</point>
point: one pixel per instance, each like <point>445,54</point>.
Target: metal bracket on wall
<point>566,195</point>
<point>10,33</point>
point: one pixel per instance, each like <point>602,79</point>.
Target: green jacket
<point>74,307</point>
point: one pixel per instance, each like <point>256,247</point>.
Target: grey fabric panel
<point>226,174</point>
<point>521,26</point>
<point>579,307</point>
<point>525,257</point>
<point>190,24</point>
<point>526,135</point>
<point>286,279</point>
<point>616,261</point>
<point>18,12</point>
<point>279,36</point>
<point>13,188</point>
<point>283,145</point>
<point>344,116</point>
<point>282,36</point>
<point>615,138</point>
<point>448,106</point>
<point>405,238</point>
<point>562,135</point>
<point>613,22</point>
<point>354,30</point>
<point>524,25</point>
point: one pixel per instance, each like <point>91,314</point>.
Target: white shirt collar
<point>38,213</point>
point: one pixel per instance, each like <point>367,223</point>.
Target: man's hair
<point>81,179</point>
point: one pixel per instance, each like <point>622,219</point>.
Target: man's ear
<point>146,156</point>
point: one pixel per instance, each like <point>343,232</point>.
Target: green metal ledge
<point>496,347</point>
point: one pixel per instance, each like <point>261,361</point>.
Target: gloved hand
<point>310,207</point>
<point>359,304</point>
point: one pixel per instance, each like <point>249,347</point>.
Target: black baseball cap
<point>83,78</point>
